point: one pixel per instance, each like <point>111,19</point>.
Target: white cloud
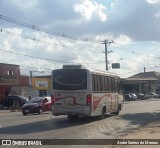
<point>123,40</point>
<point>14,42</point>
<point>153,1</point>
<point>157,15</point>
<point>114,58</point>
<point>89,8</point>
<point>25,4</point>
<point>129,24</point>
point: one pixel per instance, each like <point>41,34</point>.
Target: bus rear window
<point>70,79</point>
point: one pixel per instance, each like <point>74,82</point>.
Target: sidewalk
<point>6,112</point>
<point>149,131</point>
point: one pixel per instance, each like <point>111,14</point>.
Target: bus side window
<point>102,84</point>
<point>116,85</point>
<point>109,84</point>
<point>106,84</point>
<point>93,89</point>
<point>113,85</point>
<point>93,83</point>
<point>99,83</point>
<point>119,86</point>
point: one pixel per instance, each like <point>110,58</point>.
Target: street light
<point>31,75</point>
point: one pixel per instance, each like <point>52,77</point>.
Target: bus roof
<point>94,71</point>
<point>102,72</point>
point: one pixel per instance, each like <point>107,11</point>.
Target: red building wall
<point>24,80</point>
<point>9,76</point>
<point>4,68</point>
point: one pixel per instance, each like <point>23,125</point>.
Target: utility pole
<point>31,83</point>
<point>106,43</point>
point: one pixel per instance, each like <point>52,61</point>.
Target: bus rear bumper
<point>82,112</point>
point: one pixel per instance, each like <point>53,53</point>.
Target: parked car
<point>8,101</point>
<point>141,96</point>
<point>37,105</point>
<point>152,95</point>
<point>130,97</point>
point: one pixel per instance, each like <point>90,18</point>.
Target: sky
<point>73,32</point>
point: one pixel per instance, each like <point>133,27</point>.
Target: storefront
<point>143,82</point>
<point>41,86</point>
<point>139,85</point>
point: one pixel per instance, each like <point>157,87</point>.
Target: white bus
<point>77,91</point>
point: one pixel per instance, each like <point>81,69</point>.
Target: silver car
<point>152,95</point>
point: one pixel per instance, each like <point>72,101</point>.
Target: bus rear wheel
<point>117,112</point>
<point>103,113</point>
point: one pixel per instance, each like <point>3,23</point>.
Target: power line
<point>35,56</point>
<point>36,51</point>
<point>34,39</point>
<point>132,52</point>
<point>38,40</point>
<point>126,50</point>
<point>156,66</point>
<point>42,58</point>
<point>31,38</point>
<point>63,35</point>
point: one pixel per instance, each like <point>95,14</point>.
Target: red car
<point>37,105</point>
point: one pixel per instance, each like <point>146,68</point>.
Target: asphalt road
<point>133,115</point>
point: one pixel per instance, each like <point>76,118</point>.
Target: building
<point>11,82</point>
<point>41,85</point>
<point>142,83</point>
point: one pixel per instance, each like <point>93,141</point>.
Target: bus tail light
<point>88,100</point>
<point>52,99</point>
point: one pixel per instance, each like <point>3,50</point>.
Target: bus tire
<point>120,107</point>
<point>117,112</point>
<point>103,113</point>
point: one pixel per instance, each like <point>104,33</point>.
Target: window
<point>109,84</point>
<point>113,84</point>
<point>96,83</point>
<point>116,85</point>
<point>93,83</point>
<point>99,83</point>
<point>102,83</point>
<point>10,72</point>
<point>119,86</point>
<point>70,79</point>
<point>106,84</point>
